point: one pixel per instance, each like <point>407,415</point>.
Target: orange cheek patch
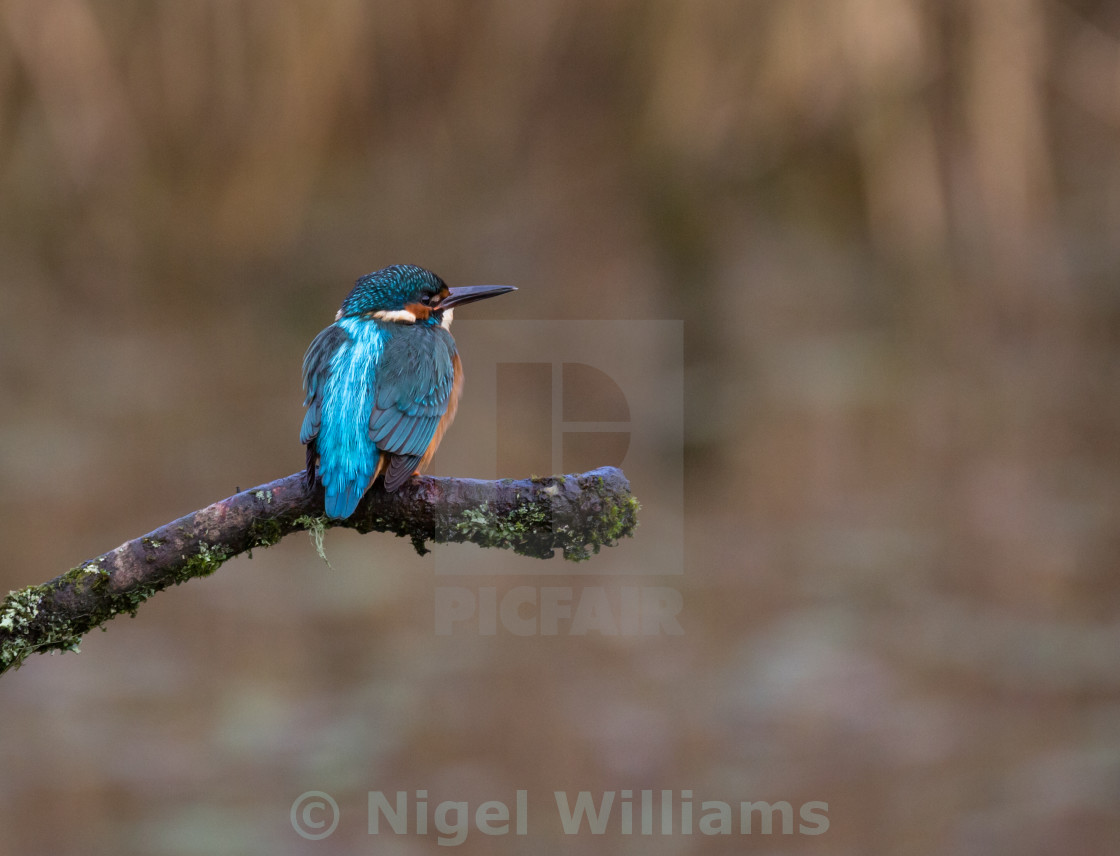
<point>421,311</point>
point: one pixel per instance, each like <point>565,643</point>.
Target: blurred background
<point>892,231</point>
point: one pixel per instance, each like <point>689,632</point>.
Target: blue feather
<point>347,456</point>
<point>376,388</point>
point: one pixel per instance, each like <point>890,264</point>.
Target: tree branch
<point>577,514</point>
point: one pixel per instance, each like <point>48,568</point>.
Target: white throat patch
<point>398,316</point>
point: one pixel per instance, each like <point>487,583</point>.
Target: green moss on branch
<point>577,514</point>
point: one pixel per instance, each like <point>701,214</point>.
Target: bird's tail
<point>341,500</point>
<point>341,492</point>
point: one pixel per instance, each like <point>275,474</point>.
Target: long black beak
<point>471,293</point>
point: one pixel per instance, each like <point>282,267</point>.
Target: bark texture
<point>577,514</point>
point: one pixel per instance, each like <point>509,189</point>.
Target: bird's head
<point>407,294</point>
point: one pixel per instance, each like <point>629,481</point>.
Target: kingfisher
<point>382,383</point>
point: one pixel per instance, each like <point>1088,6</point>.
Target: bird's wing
<point>414,383</point>
<point>316,368</point>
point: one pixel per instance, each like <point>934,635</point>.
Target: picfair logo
<point>560,397</point>
<point>559,418</point>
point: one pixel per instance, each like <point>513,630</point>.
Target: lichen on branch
<point>577,514</point>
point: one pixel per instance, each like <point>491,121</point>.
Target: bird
<point>382,383</point>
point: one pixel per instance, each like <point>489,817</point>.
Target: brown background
<point>892,229</point>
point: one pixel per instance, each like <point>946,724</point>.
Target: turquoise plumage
<point>382,383</point>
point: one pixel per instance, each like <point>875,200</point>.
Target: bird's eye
<point>427,299</point>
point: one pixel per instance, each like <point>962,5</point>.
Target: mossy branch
<point>577,514</point>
